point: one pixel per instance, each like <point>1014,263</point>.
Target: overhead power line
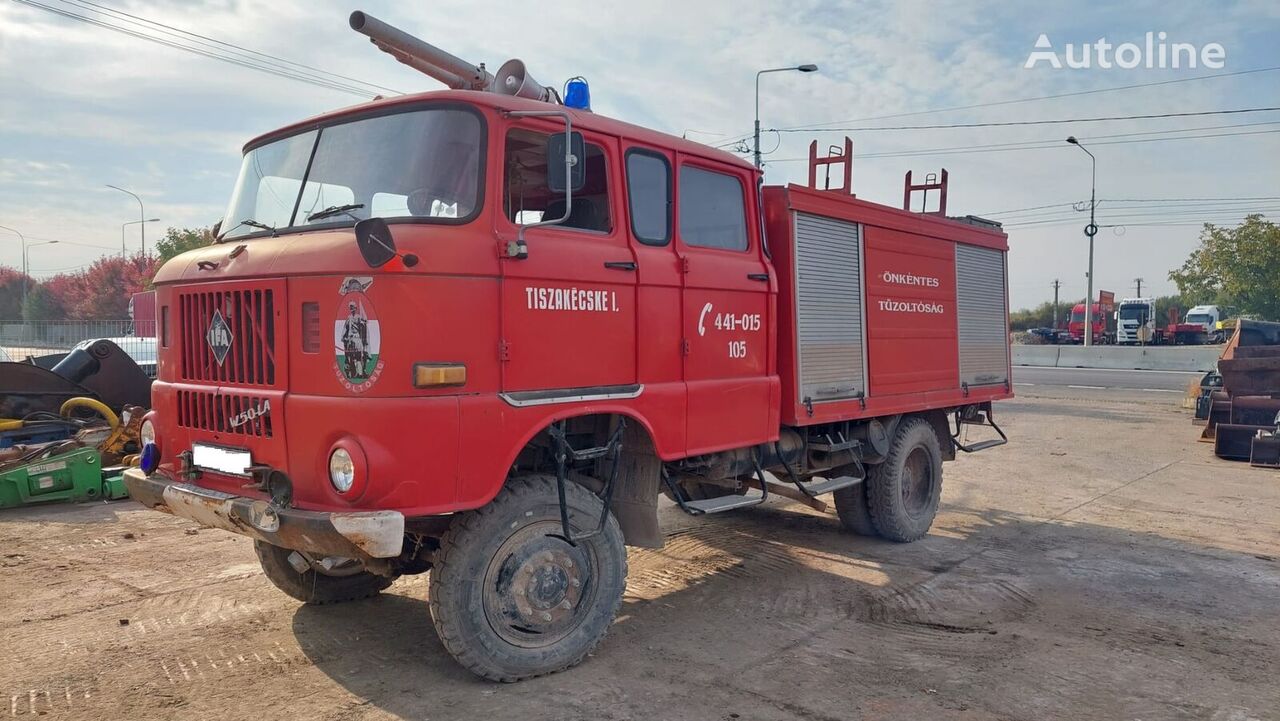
<point>1007,123</point>
<point>214,41</point>
<point>265,66</point>
<point>1036,145</point>
<point>1135,200</point>
<point>1077,93</point>
<point>995,103</point>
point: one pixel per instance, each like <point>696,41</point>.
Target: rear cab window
<point>712,209</point>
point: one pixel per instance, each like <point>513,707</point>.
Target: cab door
<point>725,308</point>
<point>569,308</point>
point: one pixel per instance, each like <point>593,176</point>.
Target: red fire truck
<point>479,332</point>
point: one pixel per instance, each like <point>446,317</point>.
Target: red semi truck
<point>480,333</point>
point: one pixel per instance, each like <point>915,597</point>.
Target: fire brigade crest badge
<point>357,337</point>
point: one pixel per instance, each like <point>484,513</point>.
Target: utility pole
<point>1139,282</point>
<point>1056,284</point>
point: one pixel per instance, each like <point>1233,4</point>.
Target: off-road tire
<point>523,522</point>
<point>902,502</point>
<point>852,509</point>
<point>314,587</point>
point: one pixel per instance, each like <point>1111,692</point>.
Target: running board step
<point>723,503</point>
<point>981,445</point>
<point>829,485</point>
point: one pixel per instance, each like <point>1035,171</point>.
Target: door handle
<point>620,264</point>
<point>758,276</point>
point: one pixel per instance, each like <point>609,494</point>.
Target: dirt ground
<point>1101,566</point>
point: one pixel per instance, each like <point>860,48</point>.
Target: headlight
<point>147,433</point>
<point>342,470</point>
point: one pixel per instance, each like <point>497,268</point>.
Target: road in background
<point>1102,379</point>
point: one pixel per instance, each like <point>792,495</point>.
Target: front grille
<point>247,335</point>
<point>212,411</point>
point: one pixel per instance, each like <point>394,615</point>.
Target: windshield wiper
<point>334,210</point>
<point>249,222</point>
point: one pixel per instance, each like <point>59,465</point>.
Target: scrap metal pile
<point>1239,405</point>
<point>68,430</point>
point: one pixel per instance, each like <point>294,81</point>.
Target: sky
<point>82,106</point>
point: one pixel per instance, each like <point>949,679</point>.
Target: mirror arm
<point>520,250</point>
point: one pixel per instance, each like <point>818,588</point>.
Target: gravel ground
<point>1102,566</point>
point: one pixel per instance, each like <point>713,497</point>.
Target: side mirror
<point>375,242</point>
<point>560,178</point>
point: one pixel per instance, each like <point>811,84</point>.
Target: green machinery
<point>75,475</point>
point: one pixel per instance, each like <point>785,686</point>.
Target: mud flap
<point>635,499</point>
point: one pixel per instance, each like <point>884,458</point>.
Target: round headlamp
<point>342,470</point>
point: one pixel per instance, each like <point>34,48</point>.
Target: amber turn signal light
<point>436,375</point>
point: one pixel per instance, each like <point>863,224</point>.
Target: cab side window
<point>712,209</point>
<point>649,195</point>
<point>527,199</point>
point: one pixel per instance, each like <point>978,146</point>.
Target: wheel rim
<point>917,482</point>
<point>538,588</point>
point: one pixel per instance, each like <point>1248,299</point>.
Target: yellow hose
<point>10,424</point>
<point>97,406</point>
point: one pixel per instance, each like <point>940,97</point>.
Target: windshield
<point>1133,312</point>
<point>1199,318</point>
<point>423,164</point>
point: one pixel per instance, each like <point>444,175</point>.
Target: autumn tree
<point>1237,266</point>
<point>11,293</point>
<point>179,240</point>
<point>43,303</point>
<point>103,290</point>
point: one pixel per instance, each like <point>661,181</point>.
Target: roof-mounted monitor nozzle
<point>422,56</point>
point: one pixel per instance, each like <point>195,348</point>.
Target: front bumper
<point>361,535</point>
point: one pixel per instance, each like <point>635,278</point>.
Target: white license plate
<point>222,460</point>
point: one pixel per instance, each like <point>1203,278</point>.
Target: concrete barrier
<point>1163,358</point>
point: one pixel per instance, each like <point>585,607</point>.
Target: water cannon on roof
<point>453,71</point>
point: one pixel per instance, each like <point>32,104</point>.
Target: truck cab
<point>1206,316</point>
<point>1103,324</point>
<point>1135,321</point>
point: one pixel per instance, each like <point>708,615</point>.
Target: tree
<point>179,240</point>
<point>11,293</point>
<point>1039,317</point>
<point>102,291</point>
<point>1237,266</point>
<point>43,303</point>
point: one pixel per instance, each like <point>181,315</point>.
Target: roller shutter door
<point>980,312</point>
<point>829,308</point>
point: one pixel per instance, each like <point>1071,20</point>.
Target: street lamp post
<point>24,263</point>
<point>1090,230</point>
<point>806,68</point>
<point>142,213</point>
<point>123,251</point>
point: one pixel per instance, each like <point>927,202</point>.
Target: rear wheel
<point>511,598</point>
<point>318,581</point>
<point>903,491</point>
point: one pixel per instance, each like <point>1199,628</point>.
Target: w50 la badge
<point>357,337</point>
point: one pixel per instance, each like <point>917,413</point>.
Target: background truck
<point>1212,319</point>
<point>1136,325</point>
<point>1104,323</point>
<point>479,332</point>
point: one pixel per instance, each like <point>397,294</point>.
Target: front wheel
<point>511,598</point>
